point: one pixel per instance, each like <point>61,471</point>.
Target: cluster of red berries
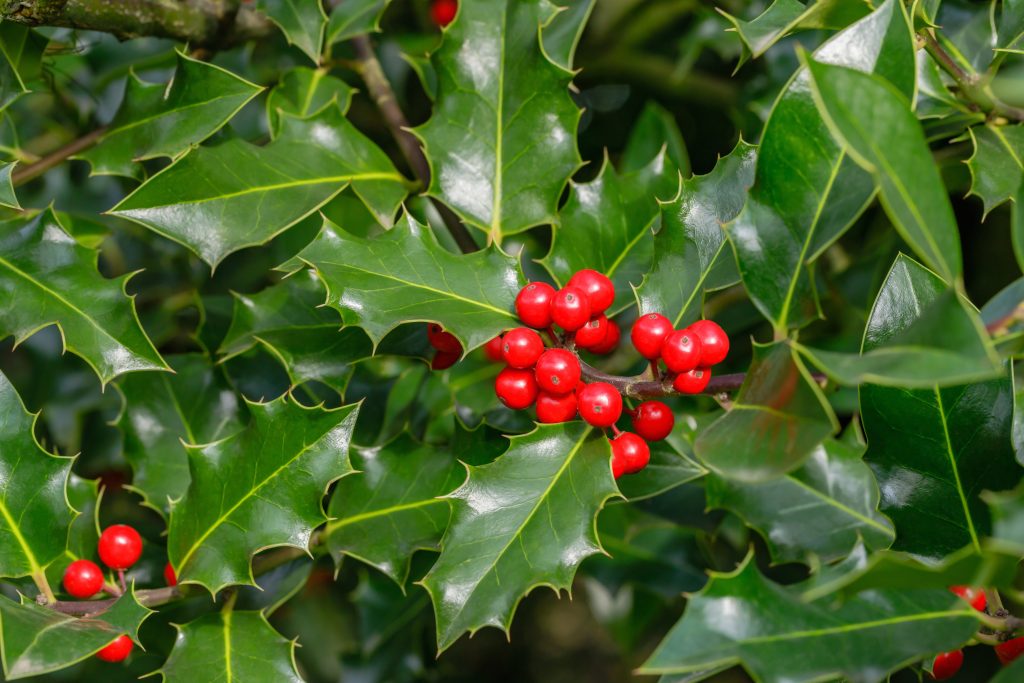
<point>947,664</point>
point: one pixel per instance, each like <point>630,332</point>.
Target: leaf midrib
<point>392,509</point>
<point>956,472</point>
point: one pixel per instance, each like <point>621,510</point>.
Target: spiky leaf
<point>301,21</point>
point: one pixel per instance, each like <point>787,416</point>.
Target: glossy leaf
<point>259,488</point>
<point>7,196</point>
<point>21,49</point>
<point>351,18</point>
<point>205,199</point>
<point>670,466</point>
<point>820,509</point>
<point>228,646</point>
<point>393,506</point>
<point>997,164</point>
<point>527,519</point>
<point>405,276</point>
<point>779,418</point>
<point>502,139</point>
<point>54,280</point>
<point>562,34</point>
<point>691,255</point>
<point>744,618</point>
<point>303,92</point>
<point>1007,509</point>
<point>301,21</point>
<point>1011,673</point>
<point>807,191</point>
<point>165,120</point>
<point>655,129</point>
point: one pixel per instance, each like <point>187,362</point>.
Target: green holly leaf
<point>165,412</point>
<point>259,488</point>
<point>777,421</point>
<point>1007,510</point>
<point>820,509</point>
<point>527,519</point>
<point>690,252</point>
<point>301,21</point>
<point>807,190</point>
<point>404,275</point>
<point>875,124</point>
<point>84,496</point>
<point>230,645</point>
<point>606,225</point>
<point>671,465</point>
<point>303,92</point>
<point>34,511</point>
<point>562,34</point>
<point>393,507</point>
<point>997,170</point>
<point>35,640</point>
<point>165,120</point>
<point>7,196</point>
<point>859,640</point>
<point>1011,673</point>
<point>55,280</point>
<point>655,129</point>
<point>922,333</point>
<point>21,50</point>
<point>1010,26</point>
<point>205,199</point>
<point>502,139</point>
<point>351,18</point>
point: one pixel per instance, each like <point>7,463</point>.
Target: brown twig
<point>32,171</point>
<point>153,597</point>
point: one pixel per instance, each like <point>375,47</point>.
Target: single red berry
<point>593,333</point>
<point>611,340</point>
<point>630,454</point>
<point>443,11</point>
<point>170,578</point>
<point>120,546</point>
<point>521,347</point>
<point>493,350</point>
<point>533,304</point>
<point>600,404</point>
<point>692,382</point>
<point>599,289</point>
<point>681,351</point>
<point>516,388</point>
<point>117,651</point>
<point>946,664</point>
<point>1010,650</point>
<point>441,340</point>
<point>714,342</point>
<point>649,333</point>
<point>653,420</point>
<point>83,579</point>
<point>558,371</point>
<point>444,359</point>
<point>570,308</point>
<point>552,408</point>
<point>975,596</point>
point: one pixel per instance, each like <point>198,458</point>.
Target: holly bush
<point>337,333</point>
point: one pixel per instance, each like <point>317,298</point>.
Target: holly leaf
<point>351,18</point>
<point>404,275</point>
<point>7,196</point>
<point>997,169</point>
<point>690,253</point>
<point>527,519</point>
<point>55,281</point>
<point>165,120</point>
<point>301,21</point>
<point>502,139</point>
<point>562,34</point>
<point>84,496</point>
<point>230,645</point>
<point>1007,510</point>
<point>393,507</point>
<point>34,511</point>
<point>606,225</point>
<point>1010,673</point>
<point>165,412</point>
<point>778,419</point>
<point>819,510</point>
<point>671,465</point>
<point>860,640</point>
<point>654,130</point>
<point>276,470</point>
<point>21,50</point>
<point>303,92</point>
<point>807,190</point>
<point>205,199</point>
<point>35,640</point>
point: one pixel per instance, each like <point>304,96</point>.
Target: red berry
<point>598,288</point>
<point>521,347</point>
<point>653,420</point>
<point>120,546</point>
<point>517,389</point>
<point>570,308</point>
<point>83,579</point>
<point>600,404</point>
<point>1010,650</point>
<point>533,304</point>
<point>692,382</point>
<point>975,596</point>
<point>558,371</point>
<point>170,578</point>
<point>630,454</point>
<point>714,342</point>
<point>649,333</point>
<point>117,651</point>
<point>946,664</point>
<point>441,340</point>
<point>444,359</point>
<point>443,11</point>
<point>593,333</point>
<point>682,351</point>
<point>611,340</point>
<point>552,408</point>
<point>493,350</point>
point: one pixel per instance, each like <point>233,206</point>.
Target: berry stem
<point>111,589</point>
<point>615,430</point>
<point>552,335</point>
<point>655,371</point>
<point>120,580</point>
<point>39,578</point>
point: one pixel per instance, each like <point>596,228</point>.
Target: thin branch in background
<point>32,171</point>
